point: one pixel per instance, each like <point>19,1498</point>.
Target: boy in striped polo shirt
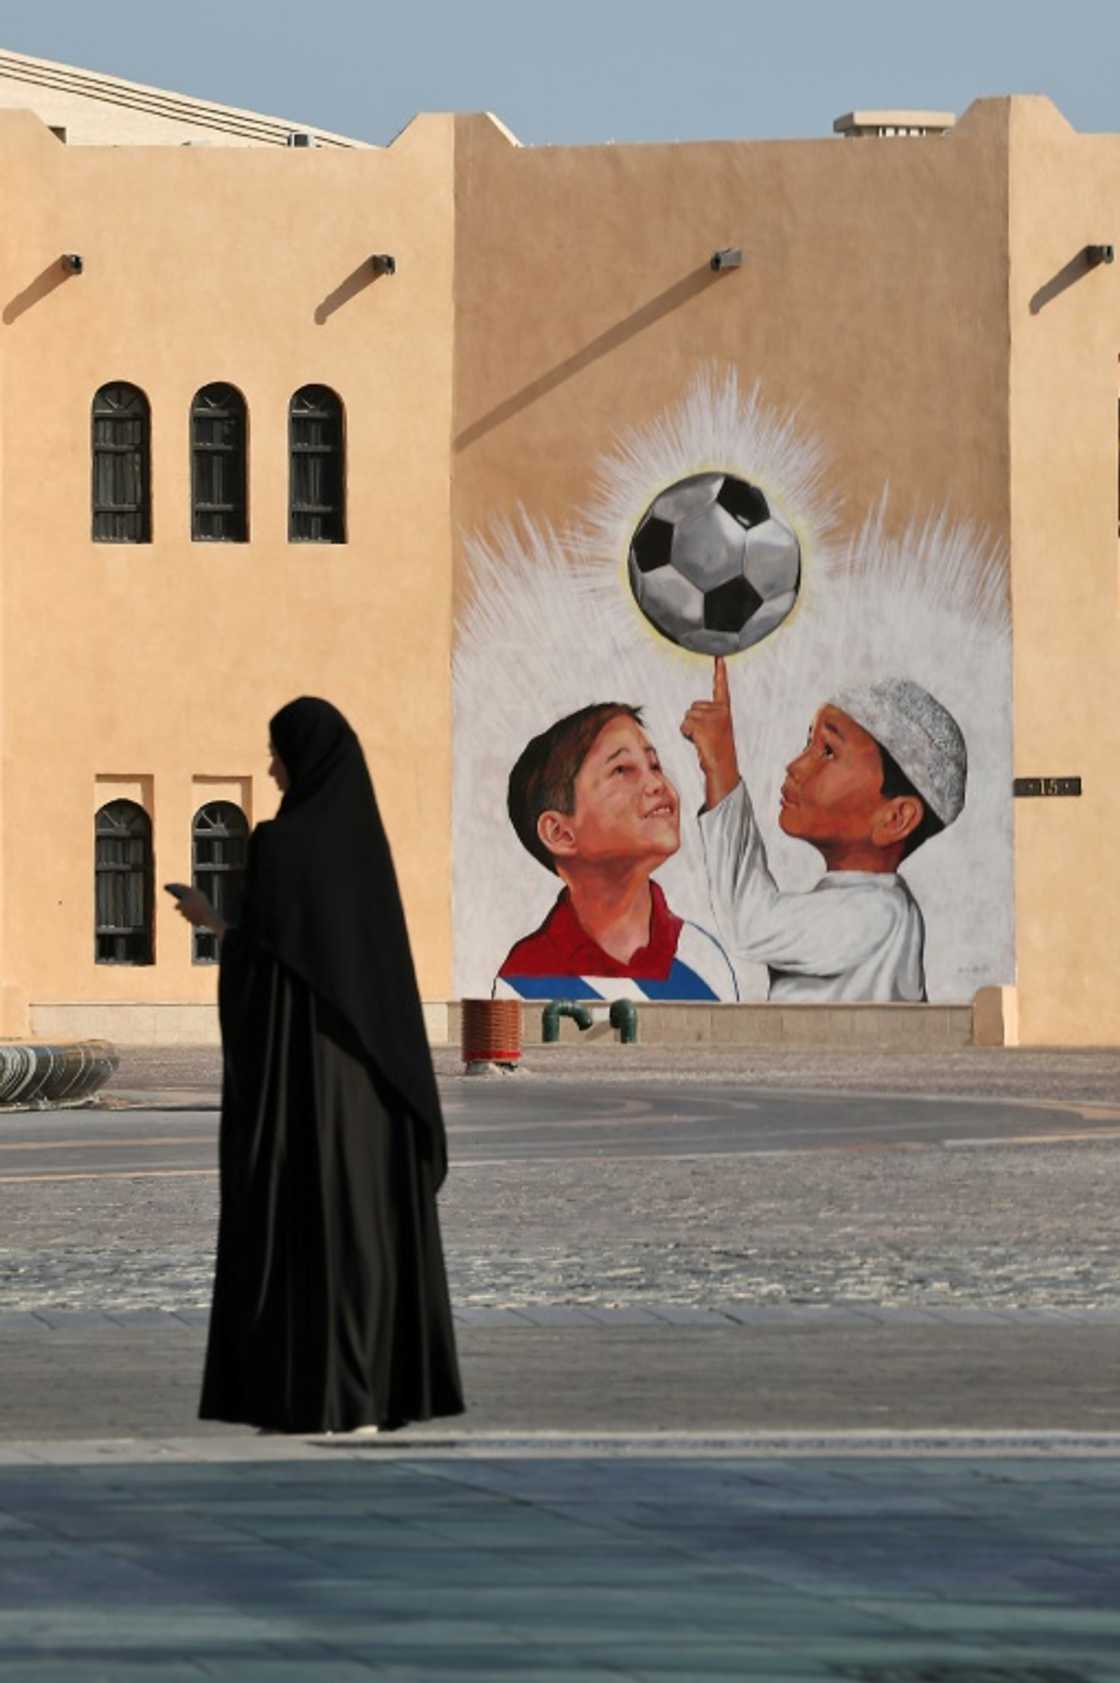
<point>590,801</point>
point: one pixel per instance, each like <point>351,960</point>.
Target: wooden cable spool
<point>491,1031</point>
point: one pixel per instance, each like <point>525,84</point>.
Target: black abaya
<point>330,1307</point>
<point>330,1298</point>
<point>322,897</point>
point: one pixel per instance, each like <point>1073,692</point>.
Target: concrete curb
<point>445,1442</point>
<point>567,1318</point>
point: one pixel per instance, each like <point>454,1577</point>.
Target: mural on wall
<point>707,750</point>
<point>590,800</point>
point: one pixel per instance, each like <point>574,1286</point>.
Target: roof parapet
<point>881,125</point>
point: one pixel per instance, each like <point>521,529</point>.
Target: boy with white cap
<point>883,770</point>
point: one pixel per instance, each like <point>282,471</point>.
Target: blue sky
<point>593,70</point>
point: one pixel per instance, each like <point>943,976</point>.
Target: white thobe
<point>856,935</point>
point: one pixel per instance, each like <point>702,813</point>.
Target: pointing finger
<point>721,694</point>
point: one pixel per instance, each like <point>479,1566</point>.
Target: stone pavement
<point>321,1561</point>
<point>90,1376</point>
<point>639,1496</point>
<point>742,1491</point>
<point>193,1073</point>
<point>668,1210</point>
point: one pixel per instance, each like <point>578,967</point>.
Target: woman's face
<point>277,770</point>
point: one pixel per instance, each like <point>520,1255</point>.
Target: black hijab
<point>321,896</point>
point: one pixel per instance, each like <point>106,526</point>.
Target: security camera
<point>728,257</point>
<point>1099,254</point>
<point>384,264</point>
<point>72,263</point>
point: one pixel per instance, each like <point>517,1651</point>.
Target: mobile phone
<point>178,889</point>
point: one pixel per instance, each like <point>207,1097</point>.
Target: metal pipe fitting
<point>624,1018</point>
<point>552,1013</point>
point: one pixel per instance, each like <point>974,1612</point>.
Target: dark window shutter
<point>317,476</point>
<point>219,844</point>
<point>121,448</point>
<point>218,466</point>
<point>123,884</point>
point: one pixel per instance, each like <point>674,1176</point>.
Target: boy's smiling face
<point>626,809</point>
<point>833,790</point>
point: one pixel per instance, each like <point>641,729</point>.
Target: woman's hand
<point>192,904</point>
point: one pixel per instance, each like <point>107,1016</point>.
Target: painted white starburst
<point>715,428</point>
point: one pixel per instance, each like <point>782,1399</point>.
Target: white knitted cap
<point>920,735</point>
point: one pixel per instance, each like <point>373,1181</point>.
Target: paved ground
<point>1087,1077</point>
<point>345,1565</point>
<point>654,1301</point>
<point>566,1192</point>
<point>769,1370</point>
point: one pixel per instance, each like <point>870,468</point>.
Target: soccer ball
<point>711,567</point>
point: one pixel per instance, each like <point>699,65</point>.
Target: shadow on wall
<point>1066,276</point>
<point>44,283</point>
<point>679,293</point>
<point>357,281</point>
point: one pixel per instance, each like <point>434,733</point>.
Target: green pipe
<point>552,1013</point>
<point>624,1018</point>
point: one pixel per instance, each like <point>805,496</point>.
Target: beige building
<point>244,458</point>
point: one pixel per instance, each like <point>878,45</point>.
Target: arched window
<point>123,893</point>
<point>218,466</point>
<point>219,842</point>
<point>317,478</point>
<point>122,504</point>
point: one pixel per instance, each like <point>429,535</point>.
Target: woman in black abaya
<point>331,1310</point>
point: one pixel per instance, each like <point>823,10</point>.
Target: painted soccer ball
<point>711,567</point>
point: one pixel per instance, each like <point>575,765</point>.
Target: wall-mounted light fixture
<point>728,257</point>
<point>71,262</point>
<point>299,137</point>
<point>1095,254</point>
<point>383,264</point>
